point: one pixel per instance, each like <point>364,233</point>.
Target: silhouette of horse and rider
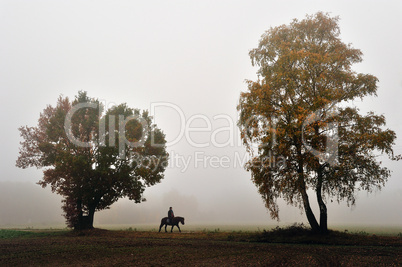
<point>171,220</point>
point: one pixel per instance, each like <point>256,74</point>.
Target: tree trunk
<point>309,213</point>
<point>79,224</point>
<point>91,214</point>
<point>321,204</point>
<point>302,187</point>
<point>85,222</point>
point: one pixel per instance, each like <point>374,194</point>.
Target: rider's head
<point>170,208</point>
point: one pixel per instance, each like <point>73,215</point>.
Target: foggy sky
<point>192,55</point>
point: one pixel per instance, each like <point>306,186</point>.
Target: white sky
<point>193,55</point>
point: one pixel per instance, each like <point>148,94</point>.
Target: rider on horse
<point>170,215</point>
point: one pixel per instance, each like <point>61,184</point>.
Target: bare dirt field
<point>148,248</point>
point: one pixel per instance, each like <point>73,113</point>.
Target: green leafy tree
<point>299,126</point>
<point>94,157</point>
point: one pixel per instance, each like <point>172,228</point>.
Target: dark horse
<point>175,222</point>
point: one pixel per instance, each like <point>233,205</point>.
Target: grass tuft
<point>10,233</point>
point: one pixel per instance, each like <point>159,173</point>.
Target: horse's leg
<point>165,228</point>
<point>160,227</point>
<point>178,227</point>
<point>171,230</point>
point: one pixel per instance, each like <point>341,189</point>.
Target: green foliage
<point>11,234</point>
<point>5,234</point>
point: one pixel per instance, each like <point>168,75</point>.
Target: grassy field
<point>389,230</point>
<point>290,246</point>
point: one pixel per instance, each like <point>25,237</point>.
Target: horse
<point>175,222</point>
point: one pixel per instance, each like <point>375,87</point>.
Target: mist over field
<point>26,205</point>
<point>186,62</point>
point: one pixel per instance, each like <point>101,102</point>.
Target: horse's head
<point>182,220</point>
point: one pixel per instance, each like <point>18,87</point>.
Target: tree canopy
<point>93,157</point>
<point>300,116</point>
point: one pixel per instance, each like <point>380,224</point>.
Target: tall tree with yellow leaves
<point>299,115</point>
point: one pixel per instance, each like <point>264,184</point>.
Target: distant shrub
<point>364,233</point>
<point>292,233</point>
<point>292,230</point>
